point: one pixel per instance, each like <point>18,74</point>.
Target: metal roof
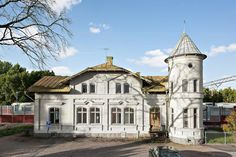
<point>185,46</point>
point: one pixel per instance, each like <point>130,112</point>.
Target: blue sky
<point>139,34</point>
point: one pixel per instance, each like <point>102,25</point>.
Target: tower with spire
<point>185,66</point>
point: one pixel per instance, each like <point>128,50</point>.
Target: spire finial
<point>184,26</point>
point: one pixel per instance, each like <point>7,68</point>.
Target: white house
<point>110,101</point>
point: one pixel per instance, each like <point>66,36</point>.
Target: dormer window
<point>84,88</point>
<point>118,88</point>
<point>126,88</point>
<point>92,88</point>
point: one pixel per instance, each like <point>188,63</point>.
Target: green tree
<point>15,80</point>
<point>231,124</point>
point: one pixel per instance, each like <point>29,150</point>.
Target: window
<point>172,116</point>
<point>92,88</point>
<point>118,88</point>
<point>115,115</point>
<point>94,115</point>
<point>81,115</point>
<point>129,116</point>
<point>194,85</point>
<point>17,108</point>
<point>54,115</point>
<point>171,87</point>
<point>185,118</point>
<point>126,88</point>
<point>195,118</point>
<point>184,85</point>
<point>84,88</point>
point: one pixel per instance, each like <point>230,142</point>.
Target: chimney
<point>109,60</point>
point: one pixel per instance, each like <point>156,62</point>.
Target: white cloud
<point>94,30</point>
<point>62,70</point>
<point>67,52</point>
<point>153,58</point>
<point>216,50</point>
<point>98,28</point>
<point>60,5</point>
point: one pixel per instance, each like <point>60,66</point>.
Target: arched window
<point>84,88</point>
<point>81,115</point>
<point>129,115</point>
<point>115,115</point>
<point>118,88</point>
<point>126,88</point>
<point>54,115</point>
<point>94,115</point>
<point>92,88</point>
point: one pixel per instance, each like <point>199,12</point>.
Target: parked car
<point>164,152</point>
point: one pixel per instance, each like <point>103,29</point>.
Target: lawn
<point>220,137</point>
<point>15,130</point>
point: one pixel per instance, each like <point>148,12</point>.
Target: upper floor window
<point>129,115</point>
<point>84,88</point>
<point>94,115</point>
<point>126,88</point>
<point>54,115</point>
<point>81,115</point>
<point>118,88</point>
<point>115,115</point>
<point>195,85</point>
<point>184,85</point>
<point>92,88</point>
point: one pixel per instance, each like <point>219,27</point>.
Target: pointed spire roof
<point>185,46</point>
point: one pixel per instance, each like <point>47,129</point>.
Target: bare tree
<point>35,27</point>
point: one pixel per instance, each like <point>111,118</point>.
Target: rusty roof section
<point>50,84</point>
<point>158,84</point>
<point>105,67</point>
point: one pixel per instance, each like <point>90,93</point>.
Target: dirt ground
<point>18,145</point>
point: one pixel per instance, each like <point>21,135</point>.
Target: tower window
<point>195,85</point>
<point>92,88</point>
<point>84,88</point>
<point>185,118</point>
<point>195,118</point>
<point>190,65</point>
<point>184,85</point>
<point>118,88</point>
<point>126,88</point>
<point>172,116</point>
<point>171,87</point>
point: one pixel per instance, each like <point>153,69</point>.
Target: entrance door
<point>155,119</point>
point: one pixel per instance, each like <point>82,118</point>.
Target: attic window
<point>92,88</point>
<point>118,88</point>
<point>126,88</point>
<point>84,88</point>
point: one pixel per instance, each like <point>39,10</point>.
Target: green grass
<point>215,139</point>
<point>15,130</point>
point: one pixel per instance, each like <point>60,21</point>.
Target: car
<point>164,152</point>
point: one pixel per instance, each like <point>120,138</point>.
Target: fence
<point>9,115</point>
<point>213,137</point>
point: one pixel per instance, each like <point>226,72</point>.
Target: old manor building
<point>110,101</point>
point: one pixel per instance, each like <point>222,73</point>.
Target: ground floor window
<point>94,115</point>
<point>81,115</point>
<point>129,115</point>
<point>185,118</point>
<point>54,115</point>
<point>115,115</point>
